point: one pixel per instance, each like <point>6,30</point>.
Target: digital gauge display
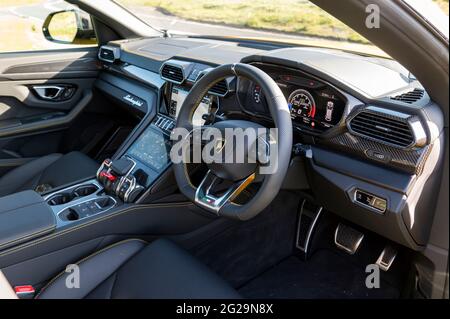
<point>301,103</point>
<point>318,110</point>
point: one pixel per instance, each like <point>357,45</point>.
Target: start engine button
<point>378,156</point>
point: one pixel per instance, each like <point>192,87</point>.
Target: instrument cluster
<point>314,105</point>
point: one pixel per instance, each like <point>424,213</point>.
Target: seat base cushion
<point>48,172</point>
<point>134,270</point>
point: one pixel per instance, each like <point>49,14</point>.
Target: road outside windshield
<point>295,21</point>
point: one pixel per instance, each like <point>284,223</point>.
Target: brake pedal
<point>387,258</point>
<point>347,238</point>
<point>308,216</point>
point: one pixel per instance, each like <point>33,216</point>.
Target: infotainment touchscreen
<point>176,101</point>
<point>152,148</point>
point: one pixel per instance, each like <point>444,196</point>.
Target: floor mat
<point>251,247</point>
<point>326,275</point>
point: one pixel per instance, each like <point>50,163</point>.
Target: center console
<point>142,163</point>
<point>119,181</point>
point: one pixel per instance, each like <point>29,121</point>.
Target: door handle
<point>48,92</point>
<point>54,92</point>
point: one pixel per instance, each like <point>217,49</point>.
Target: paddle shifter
<point>118,179</point>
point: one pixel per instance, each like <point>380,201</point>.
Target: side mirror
<point>69,27</point>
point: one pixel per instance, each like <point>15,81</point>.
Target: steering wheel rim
<point>281,116</point>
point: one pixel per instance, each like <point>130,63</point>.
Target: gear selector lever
<point>118,179</point>
<point>122,166</point>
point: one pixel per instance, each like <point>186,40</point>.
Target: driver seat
<point>133,269</point>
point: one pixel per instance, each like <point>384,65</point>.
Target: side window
<point>30,25</point>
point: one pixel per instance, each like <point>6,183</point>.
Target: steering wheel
<point>237,175</point>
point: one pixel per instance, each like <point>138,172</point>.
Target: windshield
<point>293,21</point>
<point>435,12</point>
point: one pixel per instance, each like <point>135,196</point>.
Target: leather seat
<point>137,270</point>
<point>48,172</point>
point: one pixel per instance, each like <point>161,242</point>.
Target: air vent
<point>410,97</point>
<point>109,54</point>
<point>164,123</point>
<point>220,88</point>
<point>172,73</point>
<point>384,128</point>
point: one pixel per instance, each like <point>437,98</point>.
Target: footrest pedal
<point>308,217</point>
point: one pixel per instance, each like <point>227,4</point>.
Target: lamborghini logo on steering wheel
<point>219,145</point>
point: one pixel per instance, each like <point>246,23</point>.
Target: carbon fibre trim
<point>410,161</point>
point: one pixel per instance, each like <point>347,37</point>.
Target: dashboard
<point>362,125</point>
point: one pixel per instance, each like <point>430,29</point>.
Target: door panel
<point>33,122</point>
<point>68,63</point>
<point>19,98</point>
<point>29,114</point>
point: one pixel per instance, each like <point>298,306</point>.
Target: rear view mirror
<point>69,27</point>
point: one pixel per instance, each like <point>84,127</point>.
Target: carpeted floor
<point>326,275</point>
<point>250,248</point>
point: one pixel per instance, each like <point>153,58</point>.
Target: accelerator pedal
<point>387,258</point>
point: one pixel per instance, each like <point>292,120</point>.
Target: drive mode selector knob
<point>104,168</point>
<point>134,193</point>
<point>109,181</point>
<point>128,189</point>
<point>106,176</point>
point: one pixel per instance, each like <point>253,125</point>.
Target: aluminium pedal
<point>387,258</point>
<point>308,216</point>
<point>347,238</point>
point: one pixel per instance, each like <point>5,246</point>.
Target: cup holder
<point>69,215</point>
<point>85,190</point>
<point>86,209</point>
<point>105,202</point>
<point>60,199</point>
<point>66,197</point>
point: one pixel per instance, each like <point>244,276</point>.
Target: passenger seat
<point>48,172</point>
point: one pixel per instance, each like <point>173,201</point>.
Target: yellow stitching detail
<point>44,239</point>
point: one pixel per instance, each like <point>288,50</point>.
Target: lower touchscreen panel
<point>152,149</point>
